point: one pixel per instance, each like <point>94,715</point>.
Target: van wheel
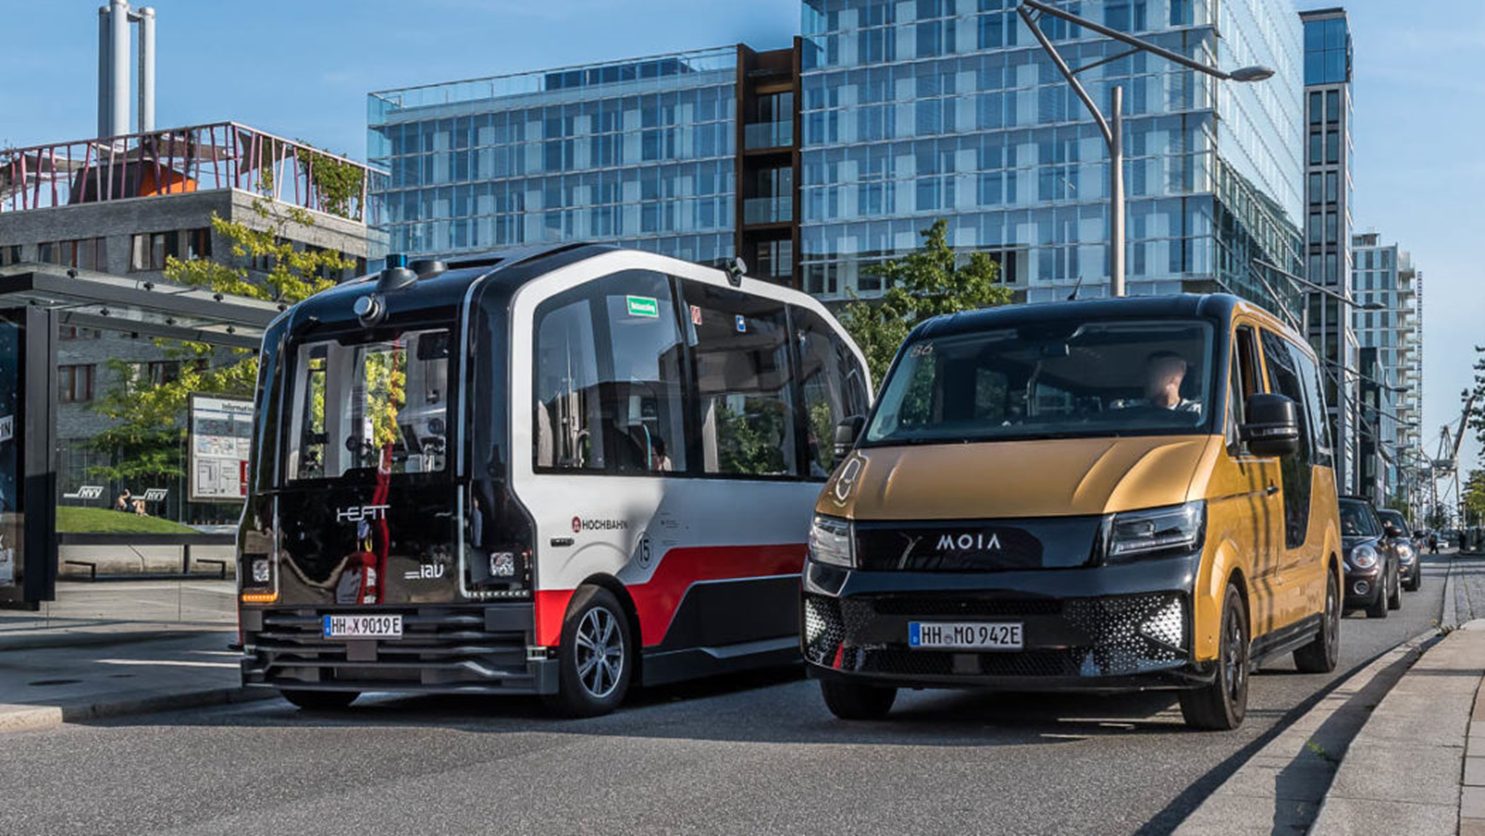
<point>1221,704</point>
<point>595,661</point>
<point>855,701</point>
<point>1394,601</point>
<point>319,700</point>
<point>1320,655</point>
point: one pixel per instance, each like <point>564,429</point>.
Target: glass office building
<point>914,111</point>
<point>1328,202</point>
<point>639,152</point>
<point>1391,341</point>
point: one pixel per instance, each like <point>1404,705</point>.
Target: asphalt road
<point>758,754</point>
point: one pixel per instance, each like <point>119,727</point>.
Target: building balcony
<point>760,135</point>
<point>174,161</point>
<point>767,210</point>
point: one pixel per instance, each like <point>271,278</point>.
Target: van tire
<point>857,701</point>
<point>319,700</point>
<point>1221,704</point>
<point>1322,654</point>
<point>595,614</point>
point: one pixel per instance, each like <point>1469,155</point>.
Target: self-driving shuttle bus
<point>560,470</point>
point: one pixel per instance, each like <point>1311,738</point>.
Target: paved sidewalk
<point>41,688</point>
<point>1403,771</point>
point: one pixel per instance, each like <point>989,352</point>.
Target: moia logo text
<point>967,542</point>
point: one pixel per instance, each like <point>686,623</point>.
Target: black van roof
<point>1218,306</point>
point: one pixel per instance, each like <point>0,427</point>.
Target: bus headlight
<point>830,541</point>
<point>1364,556</point>
<point>1175,529</point>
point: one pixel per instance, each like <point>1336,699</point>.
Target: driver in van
<point>1165,371</point>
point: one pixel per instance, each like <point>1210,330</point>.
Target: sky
<point>302,68</point>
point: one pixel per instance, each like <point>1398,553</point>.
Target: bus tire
<point>596,658</point>
<point>1221,704</point>
<point>319,700</point>
<point>857,701</point>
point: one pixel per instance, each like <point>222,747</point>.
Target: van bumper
<point>1110,628</point>
<point>454,649</point>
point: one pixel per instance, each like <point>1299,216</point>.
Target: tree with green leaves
<point>1475,416</point>
<point>929,281</point>
<point>145,440</point>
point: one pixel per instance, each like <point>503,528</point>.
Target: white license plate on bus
<point>964,635</point>
<point>363,626</point>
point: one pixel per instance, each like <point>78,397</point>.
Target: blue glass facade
<point>639,152</point>
<point>1327,50</point>
<point>914,111</point>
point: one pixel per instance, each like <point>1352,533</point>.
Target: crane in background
<point>1445,464</point>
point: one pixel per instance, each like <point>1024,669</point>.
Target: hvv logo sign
<point>85,492</point>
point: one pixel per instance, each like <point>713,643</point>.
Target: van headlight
<point>830,541</point>
<point>1364,556</point>
<point>1178,528</point>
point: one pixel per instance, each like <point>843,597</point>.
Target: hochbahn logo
<point>580,525</point>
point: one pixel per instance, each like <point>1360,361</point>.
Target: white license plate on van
<point>965,635</point>
<point>363,626</point>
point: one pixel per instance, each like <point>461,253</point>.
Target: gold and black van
<point>1120,494</point>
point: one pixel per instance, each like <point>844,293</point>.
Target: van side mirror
<point>1272,425</point>
<point>845,434</point>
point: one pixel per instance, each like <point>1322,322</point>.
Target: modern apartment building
<point>88,226</point>
<point>1391,339</point>
<point>818,162</point>
<point>1328,202</point>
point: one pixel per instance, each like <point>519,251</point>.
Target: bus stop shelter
<point>35,300</point>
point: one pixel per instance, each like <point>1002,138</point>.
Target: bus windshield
<point>376,405</point>
<point>1058,378</point>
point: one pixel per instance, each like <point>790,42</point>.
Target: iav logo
<point>426,572</point>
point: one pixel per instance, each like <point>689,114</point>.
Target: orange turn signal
<point>259,597</point>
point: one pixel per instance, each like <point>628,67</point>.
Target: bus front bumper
<point>1099,629</point>
<point>453,649</point>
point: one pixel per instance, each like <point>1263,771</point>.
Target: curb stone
<point>16,718</point>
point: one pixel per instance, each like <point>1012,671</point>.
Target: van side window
<point>1242,384</point>
<point>831,384</point>
<point>1315,401</point>
<point>1286,378</point>
<point>607,378</point>
<point>745,405</point>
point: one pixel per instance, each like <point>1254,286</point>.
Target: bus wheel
<point>319,700</point>
<point>595,660</point>
<point>1220,705</point>
<point>857,701</point>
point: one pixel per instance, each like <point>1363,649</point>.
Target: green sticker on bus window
<point>643,306</point>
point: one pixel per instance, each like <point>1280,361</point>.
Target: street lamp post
<point>1112,128</point>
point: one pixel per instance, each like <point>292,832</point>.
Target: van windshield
<point>367,406</point>
<point>1057,378</point>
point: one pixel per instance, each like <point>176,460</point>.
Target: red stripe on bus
<point>656,600</point>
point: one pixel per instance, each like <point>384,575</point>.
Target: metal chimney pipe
<point>118,54</point>
<point>105,64</point>
<point>146,69</point>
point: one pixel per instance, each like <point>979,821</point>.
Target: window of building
<point>10,254</point>
<point>73,332</point>
<point>149,251</point>
<point>82,253</point>
<point>75,383</point>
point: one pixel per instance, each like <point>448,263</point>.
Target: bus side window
<point>832,386</point>
<point>608,377</point>
<point>745,409</point>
